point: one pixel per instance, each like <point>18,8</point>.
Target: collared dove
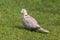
<point>30,23</point>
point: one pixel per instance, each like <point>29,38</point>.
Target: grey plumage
<point>30,23</point>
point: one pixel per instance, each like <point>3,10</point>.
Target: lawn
<point>46,12</point>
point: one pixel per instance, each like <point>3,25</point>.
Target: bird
<point>30,23</point>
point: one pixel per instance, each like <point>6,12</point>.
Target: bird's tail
<point>43,30</point>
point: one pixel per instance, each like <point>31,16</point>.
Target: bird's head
<point>23,11</point>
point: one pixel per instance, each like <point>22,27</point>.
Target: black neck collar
<point>25,15</point>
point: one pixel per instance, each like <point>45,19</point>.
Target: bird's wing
<point>30,22</point>
<point>33,20</point>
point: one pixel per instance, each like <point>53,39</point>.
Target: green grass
<point>46,12</point>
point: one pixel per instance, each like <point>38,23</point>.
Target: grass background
<point>46,12</point>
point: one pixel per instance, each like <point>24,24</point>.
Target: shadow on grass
<point>19,27</point>
<point>22,27</point>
